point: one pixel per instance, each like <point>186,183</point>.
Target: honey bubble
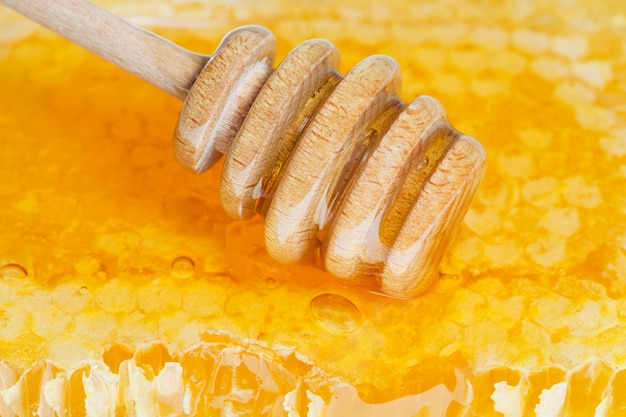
<point>182,267</point>
<point>336,313</point>
<point>13,272</point>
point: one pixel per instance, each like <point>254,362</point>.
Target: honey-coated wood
<point>342,169</point>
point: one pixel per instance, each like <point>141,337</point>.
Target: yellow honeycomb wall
<point>125,290</point>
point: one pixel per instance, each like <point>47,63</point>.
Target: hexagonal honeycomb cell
<point>126,290</point>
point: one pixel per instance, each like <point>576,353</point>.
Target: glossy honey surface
<point>107,246</point>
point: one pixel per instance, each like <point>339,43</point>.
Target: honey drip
<point>341,168</point>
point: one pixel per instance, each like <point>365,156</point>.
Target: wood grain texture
<point>150,57</point>
<point>287,101</point>
<point>219,100</point>
<point>344,171</point>
<point>297,211</point>
<point>412,263</point>
<point>356,242</point>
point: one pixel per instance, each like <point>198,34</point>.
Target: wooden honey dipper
<point>341,168</point>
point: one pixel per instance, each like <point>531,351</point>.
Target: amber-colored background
<point>95,210</point>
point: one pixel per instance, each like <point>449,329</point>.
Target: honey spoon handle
<point>150,57</point>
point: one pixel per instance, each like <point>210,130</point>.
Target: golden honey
<point>125,288</point>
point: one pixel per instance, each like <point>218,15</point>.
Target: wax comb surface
<point>114,259</point>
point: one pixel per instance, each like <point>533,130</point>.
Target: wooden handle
<point>154,59</point>
<point>374,188</point>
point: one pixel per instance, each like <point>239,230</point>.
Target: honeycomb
<point>126,290</point>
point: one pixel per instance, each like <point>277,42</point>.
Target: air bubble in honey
<point>182,267</point>
<point>270,282</point>
<point>336,313</point>
<point>12,272</point>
